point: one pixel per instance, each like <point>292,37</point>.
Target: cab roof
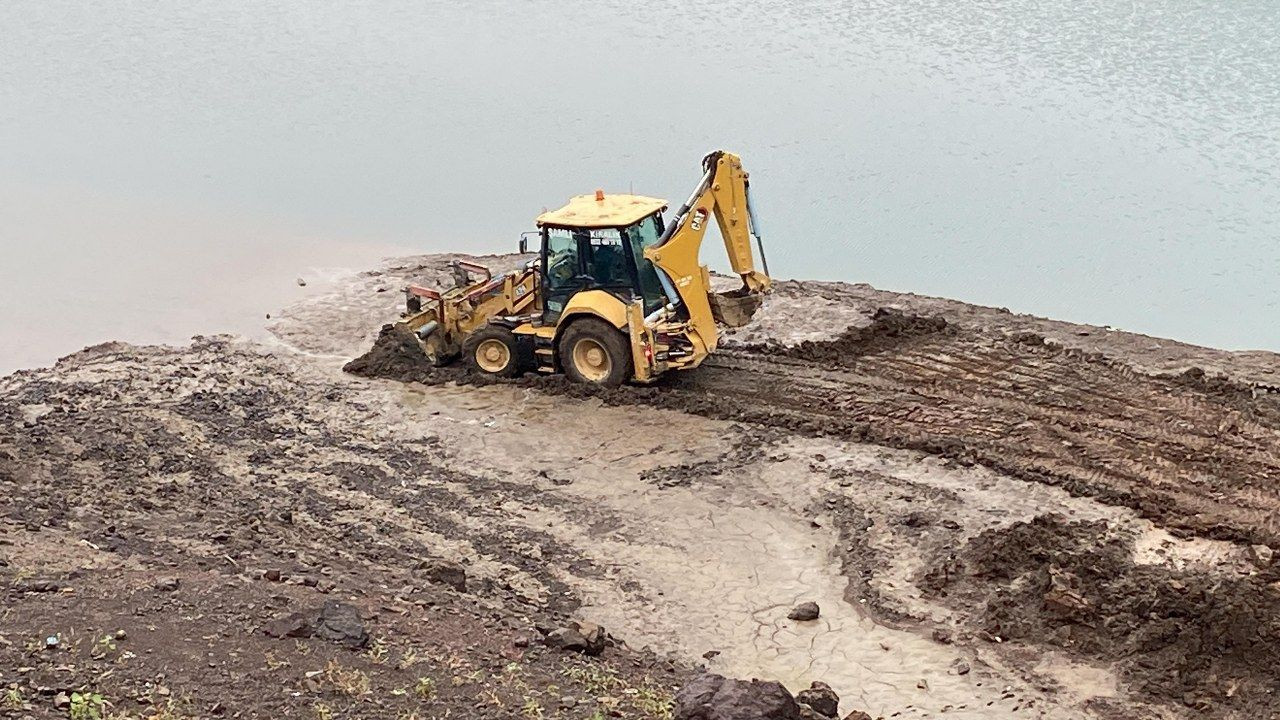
<point>602,211</point>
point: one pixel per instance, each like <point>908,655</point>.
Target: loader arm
<point>722,192</point>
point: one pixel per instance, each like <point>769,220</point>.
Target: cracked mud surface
<point>994,525</point>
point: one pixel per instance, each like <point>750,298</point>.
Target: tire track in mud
<point>1181,456</point>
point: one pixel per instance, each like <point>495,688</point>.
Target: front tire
<point>594,352</point>
<point>492,351</point>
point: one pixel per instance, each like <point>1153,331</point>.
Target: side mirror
<point>524,240</point>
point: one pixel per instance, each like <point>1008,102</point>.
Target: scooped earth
<point>992,515</point>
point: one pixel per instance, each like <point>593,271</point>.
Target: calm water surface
<point>169,168</point>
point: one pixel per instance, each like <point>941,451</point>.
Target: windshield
<point>641,235</point>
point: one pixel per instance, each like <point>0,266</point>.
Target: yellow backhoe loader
<point>616,293</point>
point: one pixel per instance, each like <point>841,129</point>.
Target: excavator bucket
<point>735,309</point>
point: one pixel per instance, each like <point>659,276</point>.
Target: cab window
<point>562,258</point>
<point>643,234</point>
<point>607,263</point>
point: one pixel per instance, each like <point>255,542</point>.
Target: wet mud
<point>1199,455</point>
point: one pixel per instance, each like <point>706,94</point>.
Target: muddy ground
<point>1000,517</point>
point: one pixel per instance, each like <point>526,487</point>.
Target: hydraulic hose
<point>755,229</point>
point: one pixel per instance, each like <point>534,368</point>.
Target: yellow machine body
<point>562,313</point>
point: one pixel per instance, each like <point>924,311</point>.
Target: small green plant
<point>87,706</point>
<point>653,703</point>
<point>425,688</point>
<point>377,652</point>
<point>351,682</point>
<point>408,659</point>
<point>106,644</point>
<point>13,699</point>
<point>531,709</point>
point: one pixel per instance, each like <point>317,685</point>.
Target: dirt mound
<point>396,355</point>
<point>889,329</point>
<point>1209,641</point>
<point>1252,400</point>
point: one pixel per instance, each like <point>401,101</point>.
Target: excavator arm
<point>724,193</point>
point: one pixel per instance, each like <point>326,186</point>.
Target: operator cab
<point>597,242</point>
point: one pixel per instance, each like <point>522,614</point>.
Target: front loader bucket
<point>735,309</point>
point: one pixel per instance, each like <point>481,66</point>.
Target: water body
<point>1107,162</point>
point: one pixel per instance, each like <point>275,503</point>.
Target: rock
<point>335,622</point>
<point>960,666</point>
<point>584,637</point>
<point>821,698</point>
<point>715,697</point>
<point>942,635</point>
<point>272,575</point>
<point>301,282</point>
<point>1262,555</point>
<point>444,573</point>
<point>341,623</point>
<point>808,713</point>
<point>166,584</point>
<point>857,715</point>
<point>804,611</point>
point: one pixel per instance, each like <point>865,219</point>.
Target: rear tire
<point>492,351</point>
<point>594,352</point>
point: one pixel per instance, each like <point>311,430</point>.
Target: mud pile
<point>1208,640</point>
<point>397,355</point>
<point>889,329</point>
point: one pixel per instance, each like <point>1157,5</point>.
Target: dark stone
<point>714,697</point>
<point>335,622</point>
<point>804,611</point>
<point>821,698</point>
<point>341,623</point>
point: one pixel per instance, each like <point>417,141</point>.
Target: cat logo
<point>699,217</point>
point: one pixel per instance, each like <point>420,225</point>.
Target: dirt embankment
<point>1210,641</point>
